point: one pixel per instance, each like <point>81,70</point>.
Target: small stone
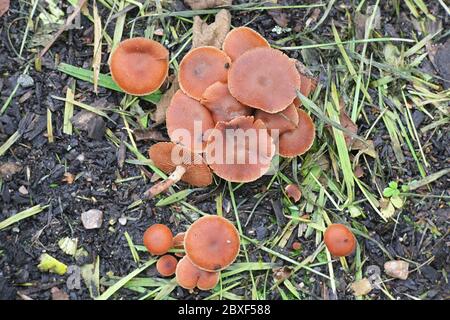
<point>23,190</point>
<point>361,287</point>
<point>92,219</point>
<point>25,81</point>
<point>397,269</point>
<point>123,220</point>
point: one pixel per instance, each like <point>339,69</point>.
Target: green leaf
<point>393,185</point>
<point>388,192</point>
<point>174,198</point>
<point>397,202</point>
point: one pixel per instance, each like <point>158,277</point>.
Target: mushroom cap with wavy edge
<point>339,240</point>
<point>222,105</point>
<point>242,39</point>
<point>158,239</point>
<point>178,243</point>
<point>167,156</point>
<point>187,121</point>
<point>296,142</point>
<point>200,68</point>
<point>264,78</point>
<point>139,66</point>
<point>306,87</point>
<point>166,265</point>
<point>212,243</point>
<point>189,276</point>
<point>282,121</point>
<point>251,147</point>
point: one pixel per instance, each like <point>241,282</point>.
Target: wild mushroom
<point>296,142</point>
<point>212,243</point>
<point>181,164</point>
<point>222,105</point>
<point>339,240</point>
<point>264,78</point>
<point>178,243</point>
<point>240,150</point>
<point>293,192</point>
<point>189,276</point>
<point>242,39</point>
<point>188,121</point>
<point>282,121</point>
<point>158,239</point>
<point>200,68</point>
<point>139,66</point>
<point>166,265</point>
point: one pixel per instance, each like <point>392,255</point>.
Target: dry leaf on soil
<point>4,6</point>
<point>205,4</point>
<point>213,34</point>
<point>159,116</point>
<point>361,287</point>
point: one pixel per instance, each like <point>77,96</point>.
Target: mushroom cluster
<point>210,245</point>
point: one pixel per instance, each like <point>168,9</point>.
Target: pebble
<point>397,269</point>
<point>23,190</point>
<point>92,219</point>
<point>25,81</point>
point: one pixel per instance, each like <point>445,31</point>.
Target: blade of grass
<point>22,215</point>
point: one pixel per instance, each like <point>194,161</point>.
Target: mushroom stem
<point>166,184</point>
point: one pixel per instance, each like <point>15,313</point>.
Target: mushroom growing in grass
<point>339,240</point>
<point>139,66</point>
<point>282,121</point>
<point>188,122</point>
<point>240,150</point>
<point>264,78</point>
<point>181,164</point>
<point>212,243</point>
<point>189,276</point>
<point>166,265</point>
<point>200,68</point>
<point>222,105</point>
<point>178,243</point>
<point>297,141</point>
<point>242,39</point>
<point>158,239</point>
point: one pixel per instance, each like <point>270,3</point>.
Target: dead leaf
<point>347,123</point>
<point>282,273</point>
<point>362,21</point>
<point>279,17</point>
<point>206,4</point>
<point>386,208</point>
<point>4,6</point>
<point>213,34</point>
<point>8,169</point>
<point>58,294</point>
<point>159,116</point>
<point>97,58</point>
<point>361,287</point>
<point>149,134</point>
<point>68,177</point>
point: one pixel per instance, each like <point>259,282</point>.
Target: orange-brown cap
<point>178,243</point>
<point>296,142</point>
<point>240,150</point>
<point>282,121</point>
<point>293,192</point>
<point>222,105</point>
<point>339,240</point>
<point>139,66</point>
<point>158,239</point>
<point>188,121</point>
<point>200,68</point>
<point>167,156</point>
<point>264,78</point>
<point>166,265</point>
<point>189,276</point>
<point>212,243</point>
<point>242,39</point>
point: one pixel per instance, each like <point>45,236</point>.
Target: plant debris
<point>206,4</point>
<point>397,269</point>
<point>49,264</point>
<point>361,287</point>
<point>213,34</point>
<point>4,7</point>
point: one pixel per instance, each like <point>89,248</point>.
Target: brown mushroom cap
<point>166,265</point>
<point>139,66</point>
<point>293,192</point>
<point>178,243</point>
<point>158,239</point>
<point>222,105</point>
<point>189,276</point>
<point>200,68</point>
<point>282,121</point>
<point>264,78</point>
<point>296,142</point>
<point>240,150</point>
<point>167,156</point>
<point>242,39</point>
<point>212,243</point>
<point>182,116</point>
<point>339,240</point>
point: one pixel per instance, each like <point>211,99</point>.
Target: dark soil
<point>420,234</point>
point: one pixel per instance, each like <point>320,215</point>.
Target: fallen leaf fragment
<point>68,245</point>
<point>282,273</point>
<point>386,208</point>
<point>213,34</point>
<point>68,177</point>
<point>8,169</point>
<point>58,294</point>
<point>4,7</point>
<point>50,264</point>
<point>397,269</point>
<point>206,4</point>
<point>361,287</point>
<point>159,116</point>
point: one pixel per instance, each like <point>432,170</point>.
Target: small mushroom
<point>240,150</point>
<point>293,192</point>
<point>158,239</point>
<point>264,78</point>
<point>296,142</point>
<point>178,243</point>
<point>339,240</point>
<point>242,39</point>
<point>200,68</point>
<point>166,265</point>
<point>282,121</point>
<point>222,105</point>
<point>188,122</point>
<point>139,66</point>
<point>212,243</point>
<point>189,276</point>
<point>181,164</point>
